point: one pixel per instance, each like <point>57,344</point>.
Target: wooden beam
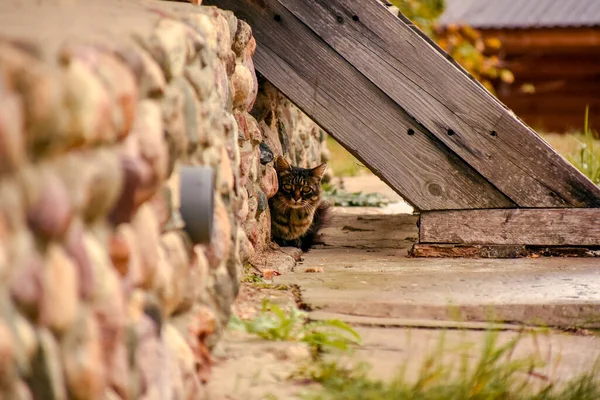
<point>359,115</point>
<point>553,40</point>
<point>498,251</point>
<point>445,101</point>
<point>536,227</point>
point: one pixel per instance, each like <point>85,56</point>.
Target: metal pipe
<point>197,189</point>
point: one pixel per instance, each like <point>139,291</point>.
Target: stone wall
<point>102,294</point>
<point>276,128</point>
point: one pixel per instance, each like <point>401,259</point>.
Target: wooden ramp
<point>405,109</point>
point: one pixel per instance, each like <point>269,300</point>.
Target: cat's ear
<point>282,165</point>
<point>319,171</point>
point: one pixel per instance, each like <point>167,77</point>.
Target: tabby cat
<point>297,209</point>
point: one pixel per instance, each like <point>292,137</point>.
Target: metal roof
<point>522,13</point>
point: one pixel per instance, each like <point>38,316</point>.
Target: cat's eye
<point>306,189</point>
<point>287,187</point>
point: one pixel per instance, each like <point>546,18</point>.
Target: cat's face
<point>298,187</point>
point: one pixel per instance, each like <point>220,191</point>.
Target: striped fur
<point>297,209</point>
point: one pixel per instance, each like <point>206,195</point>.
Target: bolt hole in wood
<point>450,132</point>
<point>493,133</point>
<point>355,18</point>
<point>340,19</point>
<point>277,17</point>
<point>410,131</point>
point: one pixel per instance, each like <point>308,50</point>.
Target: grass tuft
<point>274,323</point>
<point>342,198</point>
<point>341,162</point>
<point>495,375</point>
<point>587,157</point>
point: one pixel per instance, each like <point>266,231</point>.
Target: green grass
<point>342,163</point>
<point>587,157</point>
<point>582,149</point>
<point>495,375</point>
<point>274,323</point>
<point>342,198</point>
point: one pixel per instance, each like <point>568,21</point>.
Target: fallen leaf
<point>313,269</point>
<point>268,274</point>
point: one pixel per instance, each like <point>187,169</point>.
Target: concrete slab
<point>384,283</point>
<point>367,273</point>
<point>405,307</point>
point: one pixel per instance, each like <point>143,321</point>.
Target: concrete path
<point>403,306</point>
<point>366,273</point>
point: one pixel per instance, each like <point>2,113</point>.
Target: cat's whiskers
<point>308,207</point>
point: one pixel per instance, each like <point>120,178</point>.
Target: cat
<point>298,210</point>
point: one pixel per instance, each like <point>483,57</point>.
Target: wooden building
<point>553,45</point>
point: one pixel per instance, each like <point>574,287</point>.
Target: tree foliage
<point>466,45</point>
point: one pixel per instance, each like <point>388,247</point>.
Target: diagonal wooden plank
<point>536,227</point>
<point>354,111</point>
<point>460,113</point>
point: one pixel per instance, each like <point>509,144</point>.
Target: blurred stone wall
<point>102,294</point>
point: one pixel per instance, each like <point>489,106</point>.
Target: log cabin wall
<point>553,45</point>
<point>563,65</point>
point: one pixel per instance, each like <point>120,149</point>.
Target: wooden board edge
<point>498,251</point>
<point>518,226</point>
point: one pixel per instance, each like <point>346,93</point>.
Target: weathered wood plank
<point>461,114</point>
<point>370,231</point>
<point>538,227</point>
<point>498,251</point>
<point>359,115</point>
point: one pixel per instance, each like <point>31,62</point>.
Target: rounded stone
<point>266,154</point>
<point>269,183</point>
<point>82,357</point>
<point>148,130</point>
<point>104,184</point>
<point>150,79</point>
<point>88,106</point>
<point>47,376</point>
<point>168,46</point>
<point>7,348</point>
<point>243,211</point>
<point>27,278</point>
<point>75,248</point>
<point>220,244</point>
<point>174,116</point>
<point>263,202</point>
<point>180,295</point>
<point>117,79</point>
<point>40,89</point>
<point>49,211</point>
<point>120,251</point>
<point>243,85</point>
<point>243,35</point>
<point>145,226</point>
<point>60,294</point>
<point>225,177</point>
<point>12,133</point>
